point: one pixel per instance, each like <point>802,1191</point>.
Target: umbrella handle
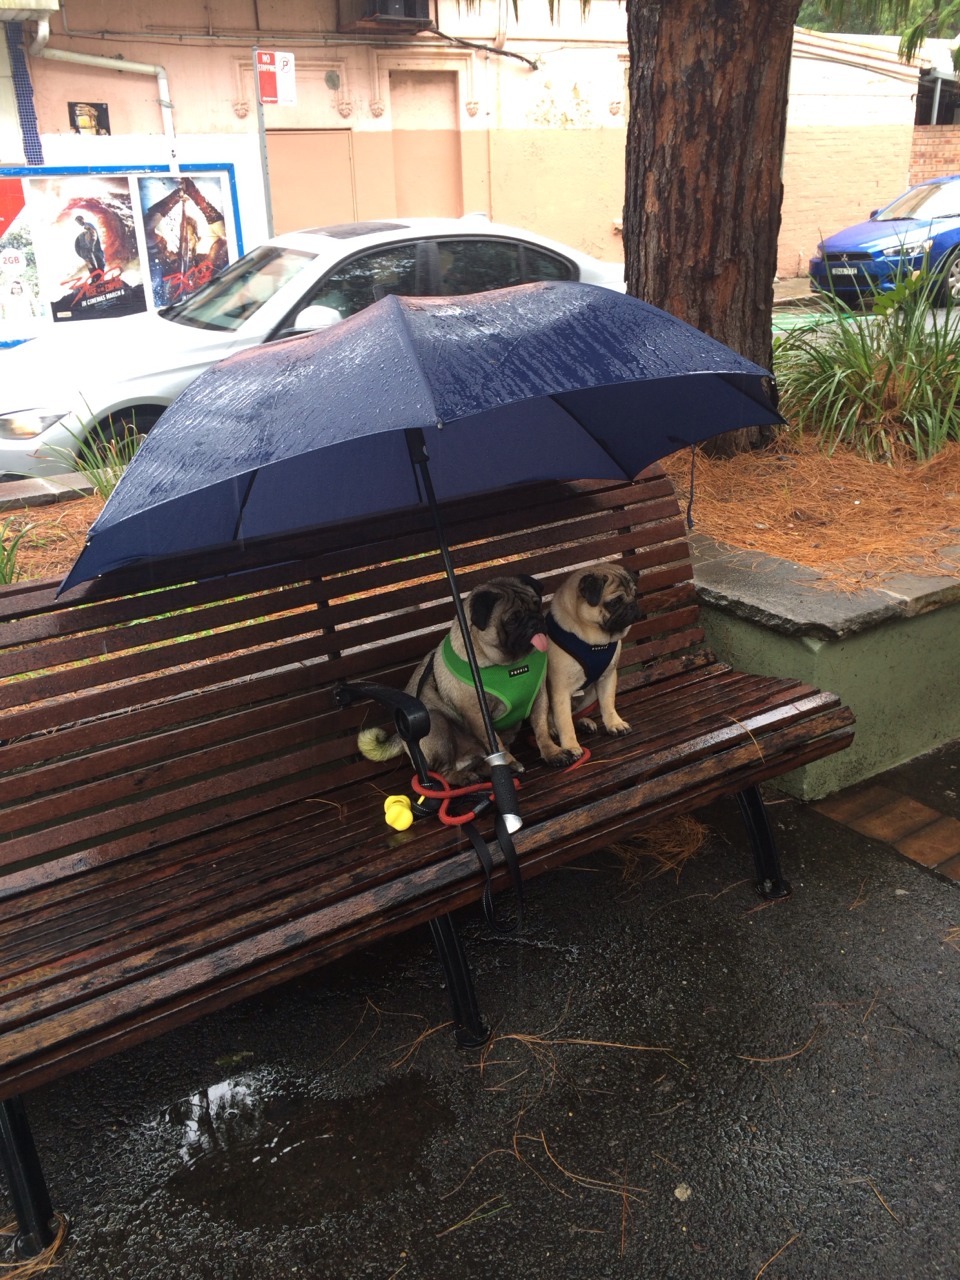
<point>504,791</point>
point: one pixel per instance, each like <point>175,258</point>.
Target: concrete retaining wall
<point>893,653</point>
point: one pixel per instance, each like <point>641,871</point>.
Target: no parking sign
<point>276,78</point>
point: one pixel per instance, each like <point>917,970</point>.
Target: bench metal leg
<point>468,1026</point>
<point>28,1190</point>
<point>770,881</point>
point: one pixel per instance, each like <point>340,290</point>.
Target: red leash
<point>446,794</point>
<point>582,759</point>
<point>483,790</point>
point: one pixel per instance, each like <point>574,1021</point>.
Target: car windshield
<point>241,290</point>
<point>942,201</point>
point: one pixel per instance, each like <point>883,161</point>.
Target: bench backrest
<point>130,718</point>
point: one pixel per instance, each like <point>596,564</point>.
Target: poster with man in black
<point>86,245</point>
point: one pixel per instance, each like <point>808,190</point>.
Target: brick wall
<point>936,151</point>
<point>834,176</point>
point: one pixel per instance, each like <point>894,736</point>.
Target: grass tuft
<point>103,458</point>
<point>661,850</point>
<point>10,539</point>
<point>884,381</point>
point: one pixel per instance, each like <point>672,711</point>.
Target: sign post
<point>275,76</point>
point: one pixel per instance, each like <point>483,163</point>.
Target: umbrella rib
<point>243,504</point>
<point>586,430</point>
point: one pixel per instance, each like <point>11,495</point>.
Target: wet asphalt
<point>684,1084</point>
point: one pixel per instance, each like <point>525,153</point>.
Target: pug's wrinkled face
<point>608,598</point>
<point>506,618</point>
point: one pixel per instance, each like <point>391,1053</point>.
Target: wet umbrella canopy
<point>546,381</point>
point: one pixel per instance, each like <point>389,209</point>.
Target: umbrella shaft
<point>419,457</point>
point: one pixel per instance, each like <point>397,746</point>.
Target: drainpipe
<point>38,49</point>
<point>935,108</point>
<point>500,39</point>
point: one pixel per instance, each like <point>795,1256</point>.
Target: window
<point>539,264</point>
<point>385,17</point>
<point>365,279</point>
<point>474,266</point>
<point>942,201</point>
<point>233,296</point>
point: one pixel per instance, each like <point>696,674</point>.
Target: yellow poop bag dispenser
<point>398,812</point>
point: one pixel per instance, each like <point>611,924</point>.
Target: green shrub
<point>884,381</point>
<point>102,458</point>
<point>9,547</point>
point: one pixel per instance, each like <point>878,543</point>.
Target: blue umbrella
<point>554,380</point>
<point>417,399</point>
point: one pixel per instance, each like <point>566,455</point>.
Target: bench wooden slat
<point>654,779</point>
<point>794,701</point>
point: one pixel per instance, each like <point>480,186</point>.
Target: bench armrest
<point>410,716</point>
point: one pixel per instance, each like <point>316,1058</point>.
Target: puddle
<point>282,1161</point>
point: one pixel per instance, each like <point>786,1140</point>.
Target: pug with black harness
<point>591,612</point>
<point>505,617</point>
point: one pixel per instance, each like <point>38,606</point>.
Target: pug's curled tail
<point>377,744</point>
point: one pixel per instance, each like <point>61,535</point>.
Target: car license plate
<point>844,271</point>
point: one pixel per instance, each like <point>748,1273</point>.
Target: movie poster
<point>20,311</point>
<point>186,234</point>
<point>86,245</point>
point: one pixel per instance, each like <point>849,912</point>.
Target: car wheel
<point>112,431</point>
<point>950,271</point>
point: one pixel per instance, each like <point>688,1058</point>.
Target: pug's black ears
<point>532,582</point>
<point>591,587</point>
<point>482,605</point>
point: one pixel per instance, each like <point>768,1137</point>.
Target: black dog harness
<point>594,658</point>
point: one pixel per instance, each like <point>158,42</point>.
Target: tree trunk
<point>708,111</point>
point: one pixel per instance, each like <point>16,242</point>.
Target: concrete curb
<point>792,292</point>
<point>31,492</point>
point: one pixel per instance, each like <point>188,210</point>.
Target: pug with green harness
<point>507,629</point>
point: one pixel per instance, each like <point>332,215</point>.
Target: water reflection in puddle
<point>284,1160</point>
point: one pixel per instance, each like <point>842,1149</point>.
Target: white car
<point>106,374</point>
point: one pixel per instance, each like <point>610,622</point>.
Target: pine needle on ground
<point>41,1263</point>
<point>665,848</point>
<point>854,522</point>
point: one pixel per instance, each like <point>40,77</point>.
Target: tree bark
<point>708,110</point>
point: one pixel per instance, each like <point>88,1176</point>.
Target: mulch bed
<point>55,535</point>
<point>854,522</point>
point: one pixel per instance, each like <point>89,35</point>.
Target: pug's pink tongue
<point>540,642</point>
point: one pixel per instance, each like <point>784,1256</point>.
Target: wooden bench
<point>186,820</point>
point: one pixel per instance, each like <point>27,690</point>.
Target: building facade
<point>390,108</point>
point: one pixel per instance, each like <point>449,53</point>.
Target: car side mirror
<point>874,212</point>
<point>315,317</point>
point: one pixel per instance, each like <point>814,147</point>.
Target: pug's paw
<point>587,726</point>
<point>616,727</point>
<point>563,757</point>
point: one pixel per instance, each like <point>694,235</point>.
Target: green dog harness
<point>515,684</point>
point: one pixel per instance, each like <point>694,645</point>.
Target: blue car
<point>922,225</point>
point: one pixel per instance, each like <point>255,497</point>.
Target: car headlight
<point>25,424</point>
<point>911,247</point>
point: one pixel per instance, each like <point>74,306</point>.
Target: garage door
<point>311,177</point>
